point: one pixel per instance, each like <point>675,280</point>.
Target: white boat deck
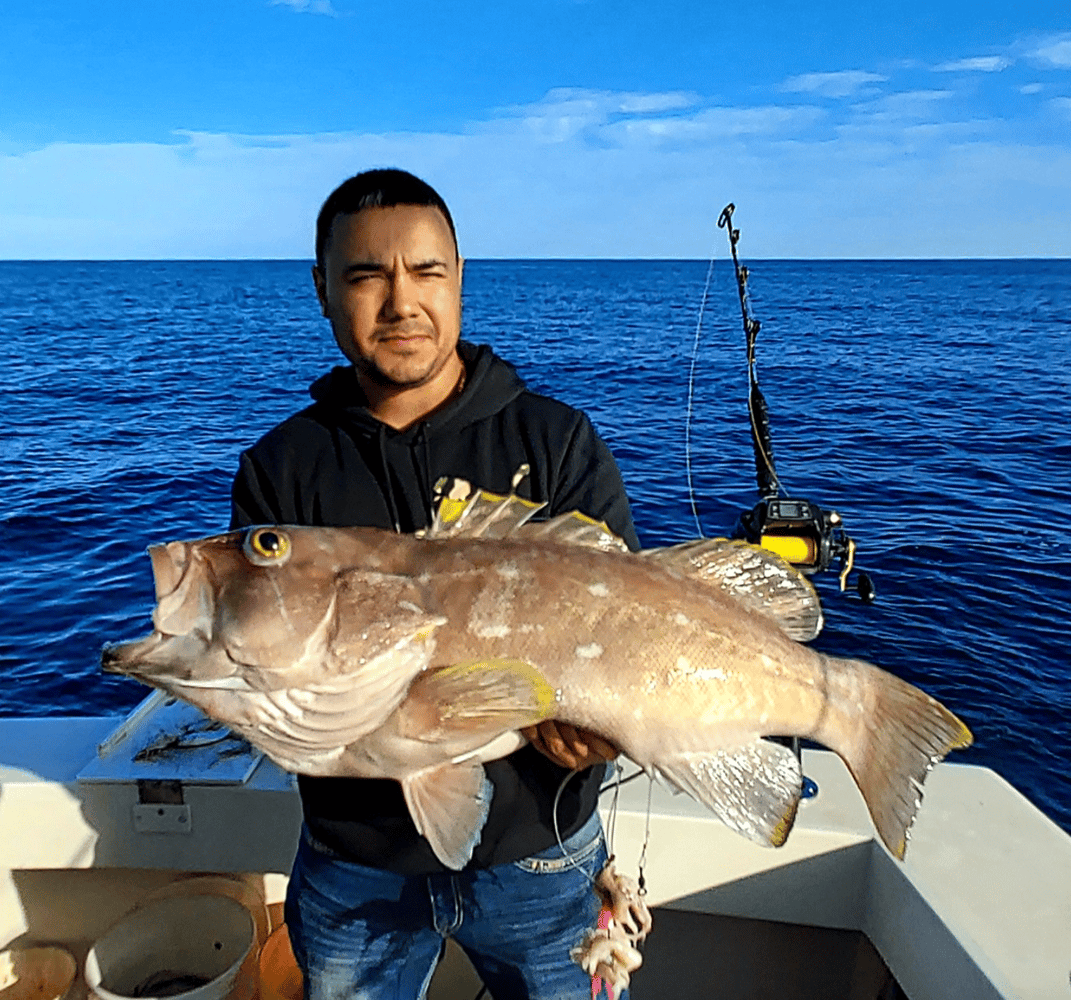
<point>980,909</point>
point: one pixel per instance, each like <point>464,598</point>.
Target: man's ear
<point>320,281</point>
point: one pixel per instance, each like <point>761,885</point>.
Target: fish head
<point>247,607</point>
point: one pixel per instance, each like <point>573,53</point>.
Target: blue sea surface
<point>926,401</point>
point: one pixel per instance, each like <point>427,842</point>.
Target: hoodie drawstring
<point>381,437</point>
<point>424,474</point>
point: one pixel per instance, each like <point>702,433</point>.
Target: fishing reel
<point>808,537</point>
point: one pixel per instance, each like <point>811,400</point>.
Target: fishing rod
<point>802,532</point>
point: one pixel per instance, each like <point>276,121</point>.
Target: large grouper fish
<point>359,652</point>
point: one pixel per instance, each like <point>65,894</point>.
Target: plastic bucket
<point>44,973</point>
<point>280,977</point>
<point>244,890</point>
<point>188,947</point>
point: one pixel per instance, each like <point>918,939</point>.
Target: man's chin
<point>407,372</point>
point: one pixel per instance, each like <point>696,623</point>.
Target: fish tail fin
<point>890,734</point>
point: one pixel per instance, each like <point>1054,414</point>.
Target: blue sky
<point>554,128</point>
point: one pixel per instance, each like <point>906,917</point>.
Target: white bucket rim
<point>215,989</point>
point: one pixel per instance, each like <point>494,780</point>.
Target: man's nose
<point>401,294</point>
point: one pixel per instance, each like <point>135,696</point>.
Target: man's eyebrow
<point>362,266</point>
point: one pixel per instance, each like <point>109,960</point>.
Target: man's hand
<point>568,746</point>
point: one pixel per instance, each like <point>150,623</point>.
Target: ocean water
<point>926,401</point>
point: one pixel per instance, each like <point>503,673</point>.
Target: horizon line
<point>583,259</point>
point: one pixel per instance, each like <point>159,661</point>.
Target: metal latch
<point>161,808</point>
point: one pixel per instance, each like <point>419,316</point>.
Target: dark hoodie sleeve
<point>590,481</point>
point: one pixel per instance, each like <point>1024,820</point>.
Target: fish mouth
<point>119,657</point>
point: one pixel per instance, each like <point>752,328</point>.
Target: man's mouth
<point>403,335</point>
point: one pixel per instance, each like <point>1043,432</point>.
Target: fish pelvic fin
<point>465,511</point>
<point>894,736</point>
<point>476,698</point>
<point>753,576</point>
<point>449,806</point>
<point>753,789</point>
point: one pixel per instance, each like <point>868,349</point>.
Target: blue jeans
<point>365,934</point>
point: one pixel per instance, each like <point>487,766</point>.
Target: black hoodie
<point>335,464</point>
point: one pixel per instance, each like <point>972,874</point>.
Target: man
<point>369,905</point>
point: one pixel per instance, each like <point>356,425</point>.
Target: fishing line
<point>557,829</point>
<point>611,823</point>
<point>639,772</point>
<point>691,401</point>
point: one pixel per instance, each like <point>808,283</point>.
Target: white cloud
<point>568,111</point>
<point>1055,51</point>
<point>843,83</point>
<point>625,119</point>
<point>1032,88</point>
<point>717,123</point>
<point>903,106</point>
<point>976,64</point>
<point>307,6</point>
<point>649,103</point>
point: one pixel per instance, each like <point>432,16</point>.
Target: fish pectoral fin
<point>476,697</point>
<point>449,806</point>
<point>755,577</point>
<point>754,789</point>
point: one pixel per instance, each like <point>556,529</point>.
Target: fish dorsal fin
<point>464,511</point>
<point>754,576</point>
<point>762,808</point>
<point>575,528</point>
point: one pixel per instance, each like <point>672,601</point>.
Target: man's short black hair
<point>376,189</point>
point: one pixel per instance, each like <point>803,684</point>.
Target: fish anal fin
<point>476,697</point>
<point>753,576</point>
<point>449,806</point>
<point>754,788</point>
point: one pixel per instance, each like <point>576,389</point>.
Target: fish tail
<point>890,734</point>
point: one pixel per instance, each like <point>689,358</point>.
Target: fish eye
<point>266,547</point>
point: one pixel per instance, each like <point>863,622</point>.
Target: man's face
<point>391,287</point>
